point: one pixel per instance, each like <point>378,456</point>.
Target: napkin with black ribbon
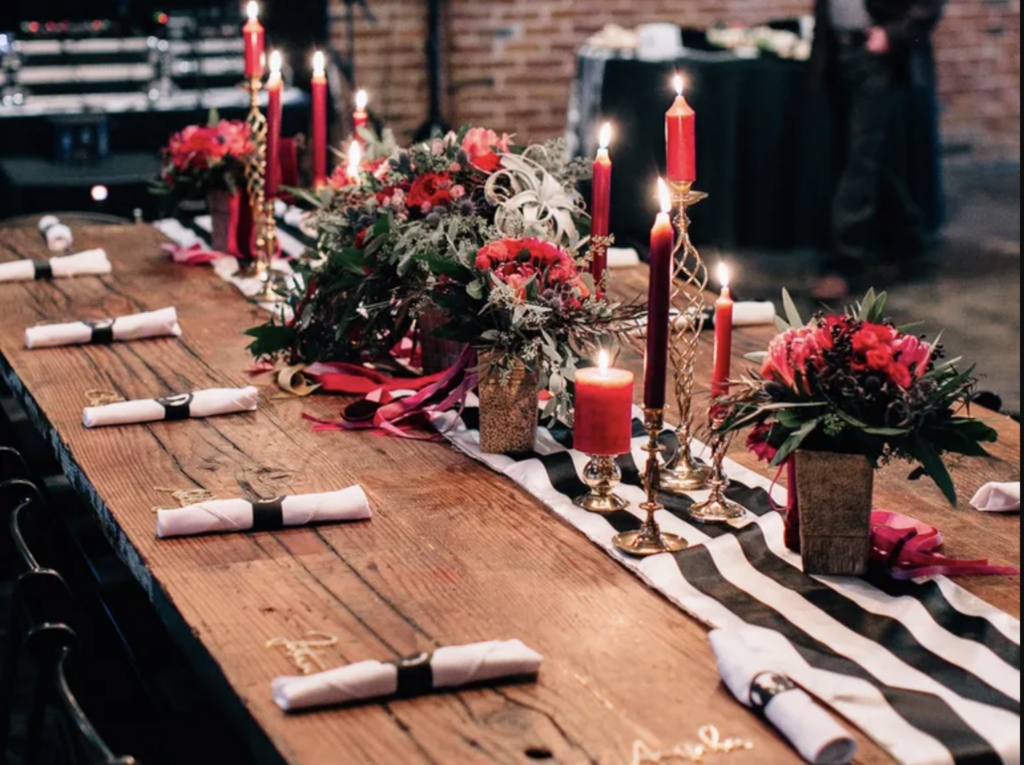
<point>136,327</point>
<point>57,235</point>
<point>446,668</point>
<point>89,263</point>
<point>228,515</point>
<point>205,403</point>
<point>811,730</point>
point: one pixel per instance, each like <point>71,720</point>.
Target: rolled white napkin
<point>752,314</point>
<point>58,236</point>
<point>227,515</point>
<point>813,732</point>
<point>136,327</point>
<point>445,668</point>
<point>204,403</point>
<point>998,498</point>
<point>623,257</point>
<point>88,263</point>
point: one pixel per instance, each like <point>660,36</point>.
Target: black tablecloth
<point>764,149</point>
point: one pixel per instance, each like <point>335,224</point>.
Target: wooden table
<point>455,554</point>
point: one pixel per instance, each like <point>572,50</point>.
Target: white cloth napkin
<point>818,738</point>
<point>623,257</point>
<point>206,403</point>
<point>751,314</point>
<point>58,236</point>
<point>136,327</point>
<point>227,515</point>
<point>998,498</point>
<point>448,668</point>
<point>88,263</point>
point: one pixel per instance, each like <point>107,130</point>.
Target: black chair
<point>55,650</point>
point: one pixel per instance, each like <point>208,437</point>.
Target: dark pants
<point>873,211</point>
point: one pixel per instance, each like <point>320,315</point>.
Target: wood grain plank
<point>454,554</point>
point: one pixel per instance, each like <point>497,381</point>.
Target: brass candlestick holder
<point>650,540</point>
<point>718,508</point>
<point>262,208</point>
<point>683,474</point>
<point>602,474</point>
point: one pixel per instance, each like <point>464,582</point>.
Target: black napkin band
<point>43,269</point>
<point>415,676</point>
<point>766,687</point>
<point>268,514</point>
<point>177,408</point>
<point>102,331</point>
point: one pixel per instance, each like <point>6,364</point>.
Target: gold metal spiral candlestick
<point>262,208</point>
<point>683,474</point>
<point>718,508</point>
<point>650,540</point>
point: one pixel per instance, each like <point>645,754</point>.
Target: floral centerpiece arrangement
<point>839,397</point>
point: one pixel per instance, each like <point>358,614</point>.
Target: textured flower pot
<point>835,497</point>
<point>224,214</point>
<point>509,413</point>
<point>438,355</point>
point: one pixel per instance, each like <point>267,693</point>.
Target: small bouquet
<point>201,160</point>
<point>857,384</point>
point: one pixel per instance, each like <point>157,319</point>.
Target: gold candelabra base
<point>649,540</point>
<point>602,474</point>
<point>718,508</point>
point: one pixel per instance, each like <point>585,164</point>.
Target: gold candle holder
<point>650,540</point>
<point>262,208</point>
<point>718,508</point>
<point>602,474</point>
<point>683,474</point>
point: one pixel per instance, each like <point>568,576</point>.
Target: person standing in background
<point>868,53</point>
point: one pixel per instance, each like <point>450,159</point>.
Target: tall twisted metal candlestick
<point>683,473</point>
<point>650,540</point>
<point>262,208</point>
<point>718,508</point>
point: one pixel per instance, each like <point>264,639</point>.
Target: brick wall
<point>511,62</point>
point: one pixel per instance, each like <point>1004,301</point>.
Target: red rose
<point>432,189</point>
<point>758,443</point>
<point>880,359</point>
<point>480,144</point>
<point>900,375</point>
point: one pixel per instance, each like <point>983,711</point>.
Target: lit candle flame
<point>253,10</point>
<point>362,100</point>
<point>355,160</point>
<point>679,83</point>
<point>665,196</point>
<point>276,63</point>
<point>724,275</point>
<point>319,63</point>
<point>604,362</point>
<point>606,135</point>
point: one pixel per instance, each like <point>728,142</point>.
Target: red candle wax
<point>255,44</point>
<point>604,411</point>
<point>724,309</point>
<point>658,306</point>
<point>681,128</point>
<point>601,204</point>
<point>319,127</point>
<point>275,88</point>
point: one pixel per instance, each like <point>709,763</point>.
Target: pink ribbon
<point>195,255</point>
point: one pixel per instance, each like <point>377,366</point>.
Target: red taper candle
<point>604,410</point>
<point>601,205</point>
<point>275,89</point>
<point>361,117</point>
<point>319,127</point>
<point>681,129</point>
<point>724,310</point>
<point>659,303</point>
<point>255,42</point>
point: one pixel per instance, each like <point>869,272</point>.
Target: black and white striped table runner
<point>927,670</point>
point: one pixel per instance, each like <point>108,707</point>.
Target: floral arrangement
<point>386,227</point>
<point>201,159</point>
<point>857,384</point>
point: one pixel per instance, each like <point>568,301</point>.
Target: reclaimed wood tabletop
<point>455,554</point>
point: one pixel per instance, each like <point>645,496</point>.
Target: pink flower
<point>758,442</point>
<point>458,192</point>
<point>915,354</point>
<point>482,147</point>
<point>455,168</point>
<point>438,147</point>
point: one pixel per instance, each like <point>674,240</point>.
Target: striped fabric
<point>926,670</point>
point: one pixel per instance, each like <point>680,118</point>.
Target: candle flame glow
<point>252,10</point>
<point>276,63</point>
<point>679,83</point>
<point>362,100</point>
<point>319,63</point>
<point>604,362</point>
<point>724,275</point>
<point>606,135</point>
<point>355,160</point>
<point>664,196</point>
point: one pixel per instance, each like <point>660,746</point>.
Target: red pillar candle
<point>659,303</point>
<point>724,310</point>
<point>681,128</point>
<point>604,410</point>
<point>601,204</point>
<point>275,89</point>
<point>255,42</point>
<point>361,118</point>
<point>319,127</point>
